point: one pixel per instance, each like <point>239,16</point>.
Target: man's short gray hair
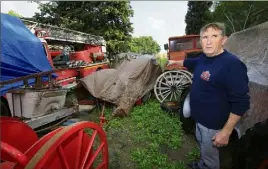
<point>215,25</point>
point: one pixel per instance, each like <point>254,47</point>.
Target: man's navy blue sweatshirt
<point>220,87</point>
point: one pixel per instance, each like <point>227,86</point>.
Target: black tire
<point>4,109</point>
<point>171,107</point>
<point>188,124</point>
<point>175,108</point>
<point>98,69</point>
<point>252,148</point>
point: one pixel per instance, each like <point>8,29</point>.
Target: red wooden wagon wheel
<point>16,134</point>
<point>73,148</point>
<point>15,159</point>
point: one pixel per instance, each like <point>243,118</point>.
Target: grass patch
<point>194,154</point>
<point>144,140</point>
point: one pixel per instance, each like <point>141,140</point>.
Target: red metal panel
<point>55,53</point>
<point>88,70</point>
<point>14,132</point>
<point>93,48</point>
<point>68,72</point>
<point>7,165</point>
<point>81,55</point>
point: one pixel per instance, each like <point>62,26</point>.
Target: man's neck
<point>216,54</point>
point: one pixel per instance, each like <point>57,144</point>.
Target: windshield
<point>177,45</point>
<point>198,44</point>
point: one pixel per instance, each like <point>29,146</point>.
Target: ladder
<point>63,34</point>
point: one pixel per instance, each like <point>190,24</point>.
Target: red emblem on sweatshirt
<point>205,75</point>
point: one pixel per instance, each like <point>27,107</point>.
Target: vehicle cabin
<point>182,47</point>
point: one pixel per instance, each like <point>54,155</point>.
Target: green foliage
<point>151,158</point>
<point>144,45</point>
<point>110,19</point>
<point>150,128</point>
<point>236,15</point>
<point>240,15</point>
<point>154,126</point>
<point>162,62</point>
<point>193,155</point>
<point>198,15</point>
<point>14,13</point>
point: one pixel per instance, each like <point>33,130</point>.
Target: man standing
<point>218,96</point>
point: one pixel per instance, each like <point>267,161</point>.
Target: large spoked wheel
<point>4,109</point>
<point>82,145</point>
<point>15,159</point>
<point>170,84</point>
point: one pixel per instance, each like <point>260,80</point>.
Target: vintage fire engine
<point>79,53</point>
<point>71,54</point>
<point>34,89</point>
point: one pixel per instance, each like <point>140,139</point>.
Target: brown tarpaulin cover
<point>251,45</point>
<point>124,85</point>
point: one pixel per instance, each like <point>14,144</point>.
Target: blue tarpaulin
<point>22,53</point>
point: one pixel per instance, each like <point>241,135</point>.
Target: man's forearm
<point>180,62</point>
<point>231,122</point>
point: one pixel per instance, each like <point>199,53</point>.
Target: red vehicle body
<point>182,47</point>
<point>179,47</point>
<point>93,54</point>
<point>87,49</point>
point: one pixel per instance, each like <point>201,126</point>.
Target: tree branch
<point>228,26</point>
<point>250,7</point>
<point>229,20</point>
<point>257,13</point>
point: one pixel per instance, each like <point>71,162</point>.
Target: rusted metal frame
<point>35,75</point>
<point>65,29</point>
<point>64,34</point>
<point>38,79</point>
<point>26,78</point>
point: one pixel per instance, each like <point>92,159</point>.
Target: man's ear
<point>224,39</point>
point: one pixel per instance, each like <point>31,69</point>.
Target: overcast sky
<point>159,19</point>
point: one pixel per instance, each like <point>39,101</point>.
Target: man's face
<point>212,42</point>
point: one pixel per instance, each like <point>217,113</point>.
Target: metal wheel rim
<point>169,85</point>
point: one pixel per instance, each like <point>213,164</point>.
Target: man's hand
<point>221,138</point>
<point>179,62</point>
